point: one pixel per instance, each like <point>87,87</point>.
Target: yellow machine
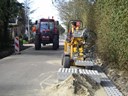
<point>75,46</point>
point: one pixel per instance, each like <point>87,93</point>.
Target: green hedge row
<point>110,21</point>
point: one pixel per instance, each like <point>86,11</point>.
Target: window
<point>46,25</point>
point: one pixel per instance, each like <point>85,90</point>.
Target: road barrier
<point>17,46</point>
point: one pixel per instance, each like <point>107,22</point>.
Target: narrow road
<point>31,71</point>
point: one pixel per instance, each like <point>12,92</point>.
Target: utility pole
<point>28,27</point>
<point>27,18</point>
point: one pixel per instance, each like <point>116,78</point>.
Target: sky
<point>44,9</point>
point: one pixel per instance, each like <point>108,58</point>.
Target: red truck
<point>47,32</point>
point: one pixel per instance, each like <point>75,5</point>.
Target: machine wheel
<point>58,42</point>
<point>37,43</point>
<point>55,42</point>
<point>66,62</point>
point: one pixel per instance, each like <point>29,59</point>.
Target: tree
<point>61,29</point>
<point>72,9</point>
<point>8,9</point>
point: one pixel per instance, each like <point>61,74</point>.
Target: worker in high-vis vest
<point>34,31</point>
<point>74,27</point>
<point>34,28</point>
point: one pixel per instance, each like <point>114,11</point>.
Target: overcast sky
<point>44,9</point>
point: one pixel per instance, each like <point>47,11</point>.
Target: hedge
<point>110,21</point>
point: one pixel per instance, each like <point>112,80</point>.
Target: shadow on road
<point>10,51</point>
<point>49,47</point>
<point>24,47</point>
<point>44,51</point>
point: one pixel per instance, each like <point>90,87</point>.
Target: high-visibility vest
<point>77,28</point>
<point>34,29</point>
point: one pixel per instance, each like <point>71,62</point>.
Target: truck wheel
<point>55,43</point>
<point>66,62</point>
<point>44,44</point>
<point>58,43</point>
<point>62,60</point>
<point>37,43</point>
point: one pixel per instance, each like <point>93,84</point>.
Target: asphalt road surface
<point>31,71</point>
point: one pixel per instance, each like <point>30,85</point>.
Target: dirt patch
<point>120,79</point>
<point>75,85</point>
<point>117,76</point>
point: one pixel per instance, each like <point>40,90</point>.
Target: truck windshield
<point>46,26</point>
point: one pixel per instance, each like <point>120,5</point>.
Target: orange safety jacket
<point>34,29</point>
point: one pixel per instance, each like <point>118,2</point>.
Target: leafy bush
<point>111,25</point>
